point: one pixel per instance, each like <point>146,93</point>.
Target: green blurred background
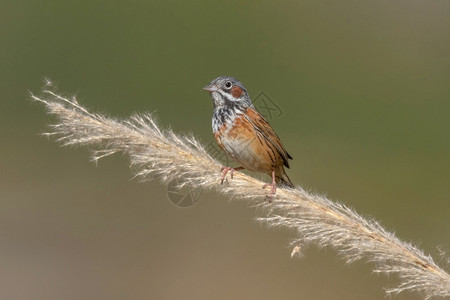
<point>365,92</point>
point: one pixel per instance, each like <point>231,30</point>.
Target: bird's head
<point>227,91</point>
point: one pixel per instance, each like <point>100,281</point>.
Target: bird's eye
<point>228,84</point>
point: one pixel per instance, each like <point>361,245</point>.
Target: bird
<point>243,133</point>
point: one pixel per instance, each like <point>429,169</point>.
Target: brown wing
<point>266,131</point>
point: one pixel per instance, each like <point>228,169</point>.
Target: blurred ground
<point>365,100</point>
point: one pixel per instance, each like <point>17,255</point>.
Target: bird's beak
<point>211,88</point>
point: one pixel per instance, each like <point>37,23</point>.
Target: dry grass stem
<point>315,219</point>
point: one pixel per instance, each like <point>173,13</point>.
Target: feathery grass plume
<point>315,219</point>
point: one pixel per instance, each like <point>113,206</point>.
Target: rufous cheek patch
<point>236,92</point>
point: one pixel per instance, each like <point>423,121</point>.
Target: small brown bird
<point>245,135</point>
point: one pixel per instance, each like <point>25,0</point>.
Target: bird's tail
<point>283,180</point>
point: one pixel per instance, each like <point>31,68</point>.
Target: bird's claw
<point>225,171</point>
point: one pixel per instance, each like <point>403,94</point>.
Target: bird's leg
<point>225,171</point>
<point>273,190</point>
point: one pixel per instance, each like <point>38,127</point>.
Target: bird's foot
<point>273,189</point>
<point>273,186</point>
<point>225,171</point>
